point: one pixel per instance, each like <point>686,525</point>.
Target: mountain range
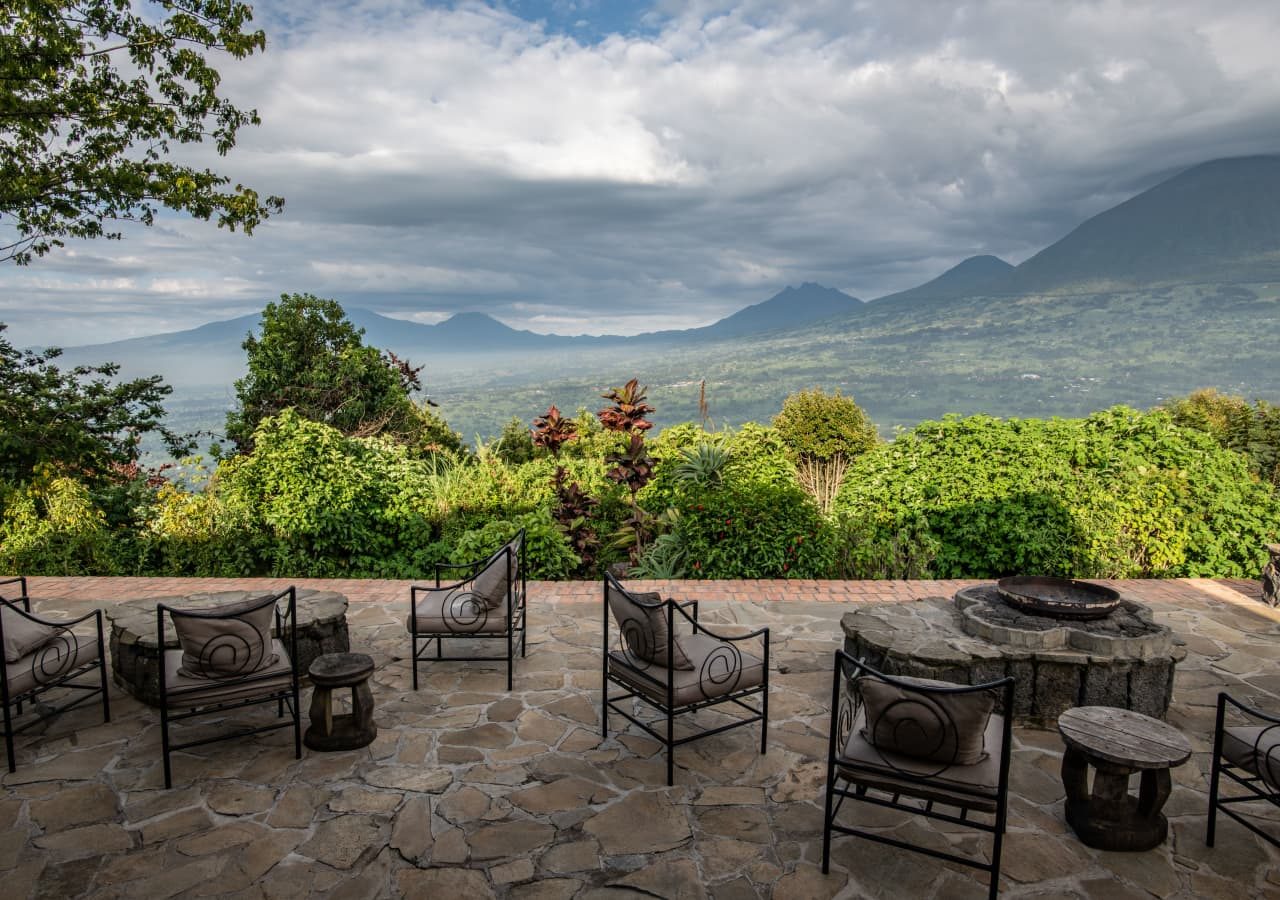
<point>1201,248</point>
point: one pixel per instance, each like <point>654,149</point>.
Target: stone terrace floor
<point>471,791</point>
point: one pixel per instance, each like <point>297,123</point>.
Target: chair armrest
<point>55,623</point>
<point>699,627</point>
<point>415,588</point>
<point>1224,698</point>
<point>473,566</point>
<point>21,581</point>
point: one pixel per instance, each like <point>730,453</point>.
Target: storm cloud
<point>445,159</point>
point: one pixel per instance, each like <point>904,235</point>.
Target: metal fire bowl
<point>1061,598</point>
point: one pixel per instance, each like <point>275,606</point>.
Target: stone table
<point>1117,743</point>
<point>135,658</point>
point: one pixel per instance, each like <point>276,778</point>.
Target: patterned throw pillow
<point>944,728</point>
<point>642,620</point>
<point>234,644</point>
<point>21,635</point>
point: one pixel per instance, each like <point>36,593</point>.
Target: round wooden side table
<point>343,732</point>
<point>1118,743</point>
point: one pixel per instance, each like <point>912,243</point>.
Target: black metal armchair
<point>1249,755</point>
<point>42,655</point>
<point>487,603</point>
<point>924,747</point>
<point>229,660</point>
<point>678,675</point>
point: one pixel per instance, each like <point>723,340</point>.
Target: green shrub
<point>822,426</point>
<point>754,530</point>
<point>863,551</point>
<point>330,505</point>
<point>193,533</point>
<point>1251,429</point>
<point>51,526</point>
<point>1119,494</point>
<point>515,444</point>
<point>547,553</point>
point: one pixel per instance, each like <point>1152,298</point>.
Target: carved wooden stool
<point>1117,743</point>
<point>345,732</point>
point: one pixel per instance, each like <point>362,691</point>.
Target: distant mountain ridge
<point>1215,222</point>
<point>966,279</point>
<point>1218,221</point>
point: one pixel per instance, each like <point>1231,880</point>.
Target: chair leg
<point>671,749</point>
<point>414,661</point>
<point>826,828</point>
<point>1211,827</point>
<point>994,890</point>
<point>510,654</point>
<point>764,723</point>
<point>164,743</point>
<point>106,702</point>
<point>297,726</point>
<point>8,740</point>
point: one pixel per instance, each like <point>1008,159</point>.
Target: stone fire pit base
<point>135,658</point>
<point>925,639</point>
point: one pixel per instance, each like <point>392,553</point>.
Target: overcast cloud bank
<point>462,158</point>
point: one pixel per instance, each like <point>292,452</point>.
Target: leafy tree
<point>825,431</point>
<point>92,95</point>
<point>515,444</point>
<point>312,359</point>
<point>79,420</point>
<point>1251,429</point>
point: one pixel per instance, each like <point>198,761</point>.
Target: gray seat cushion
<point>1255,748</point>
<point>719,668</point>
<point>21,635</point>
<point>56,657</point>
<point>942,727</point>
<point>183,691</point>
<point>500,571</point>
<point>863,763</point>
<point>456,611</point>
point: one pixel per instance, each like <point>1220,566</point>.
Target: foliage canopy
<point>310,358</point>
<point>78,420</point>
<point>93,93</point>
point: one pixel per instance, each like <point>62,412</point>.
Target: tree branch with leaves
<point>92,96</point>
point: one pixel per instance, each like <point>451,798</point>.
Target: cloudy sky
<point>609,166</point>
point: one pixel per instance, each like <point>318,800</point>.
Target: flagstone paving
<point>471,791</point>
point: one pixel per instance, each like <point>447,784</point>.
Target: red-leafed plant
<point>632,466</point>
<point>573,505</point>
<point>628,411</point>
<point>552,431</point>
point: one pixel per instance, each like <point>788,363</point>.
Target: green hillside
<point>1038,355</point>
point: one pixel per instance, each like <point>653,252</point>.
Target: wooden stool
<point>1117,743</point>
<point>346,732</point>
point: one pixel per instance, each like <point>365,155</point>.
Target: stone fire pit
<point>1125,659</point>
<point>135,658</point>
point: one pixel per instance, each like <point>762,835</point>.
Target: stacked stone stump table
<point>1271,576</point>
<point>135,658</point>
<point>342,732</point>
<point>1117,743</point>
